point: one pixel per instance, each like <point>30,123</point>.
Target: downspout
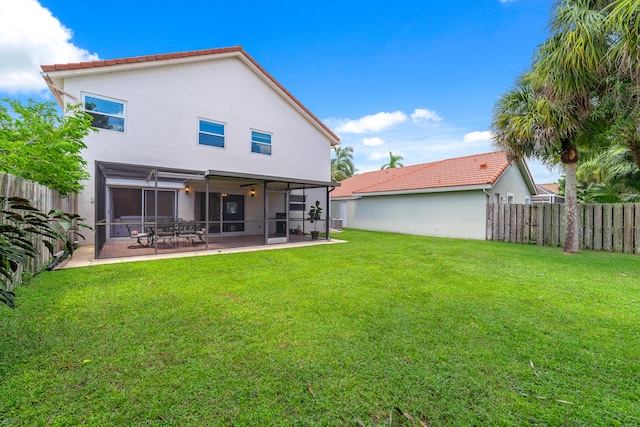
<point>486,215</point>
<point>327,216</point>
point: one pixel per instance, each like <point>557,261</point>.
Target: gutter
<point>425,190</point>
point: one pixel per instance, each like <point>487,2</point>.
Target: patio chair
<point>135,234</point>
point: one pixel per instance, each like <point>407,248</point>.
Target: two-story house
<point>207,137</point>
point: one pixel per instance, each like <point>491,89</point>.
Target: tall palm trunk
<point>571,241</point>
<point>569,157</point>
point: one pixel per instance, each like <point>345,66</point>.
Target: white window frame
<point>270,144</point>
<point>122,116</point>
<point>213,122</point>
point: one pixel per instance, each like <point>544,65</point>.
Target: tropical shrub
<point>20,226</point>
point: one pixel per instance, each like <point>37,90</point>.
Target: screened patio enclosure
<point>150,209</point>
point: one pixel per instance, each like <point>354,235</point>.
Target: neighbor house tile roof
<point>548,188</point>
<point>182,55</point>
<point>467,171</point>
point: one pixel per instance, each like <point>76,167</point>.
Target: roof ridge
<point>142,58</point>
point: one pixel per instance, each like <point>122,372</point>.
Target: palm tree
<point>545,116</point>
<point>394,162</point>
<point>342,164</point>
<point>527,124</point>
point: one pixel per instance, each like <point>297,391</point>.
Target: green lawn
<point>452,332</point>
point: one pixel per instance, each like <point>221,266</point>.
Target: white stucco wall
<point>510,182</point>
<point>459,214</point>
<point>164,104</point>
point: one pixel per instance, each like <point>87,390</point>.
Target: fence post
<point>597,227</point>
<point>607,232</point>
<point>618,224</point>
<point>526,224</point>
<point>637,228</point>
<point>588,227</point>
<point>489,225</point>
<point>500,223</point>
<point>541,225</point>
<point>628,228</point>
<point>520,222</point>
<point>555,225</point>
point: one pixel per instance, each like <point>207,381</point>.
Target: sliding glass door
<point>130,207</point>
<point>226,212</point>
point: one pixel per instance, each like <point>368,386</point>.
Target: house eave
<point>425,190</point>
<point>344,198</point>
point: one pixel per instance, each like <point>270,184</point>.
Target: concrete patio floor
<point>84,256</point>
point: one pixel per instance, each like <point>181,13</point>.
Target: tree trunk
<point>571,241</point>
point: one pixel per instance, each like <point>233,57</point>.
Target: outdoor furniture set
<point>168,233</point>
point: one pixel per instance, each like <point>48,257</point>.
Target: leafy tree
<point>342,164</point>
<point>394,162</point>
<point>20,224</point>
<point>39,144</point>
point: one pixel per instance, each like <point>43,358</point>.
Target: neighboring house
<point>447,198</point>
<point>179,129</point>
<point>547,193</point>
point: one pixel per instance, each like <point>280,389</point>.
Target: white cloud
<point>421,115</point>
<point>377,155</point>
<point>372,123</point>
<point>30,36</point>
<point>478,136</point>
<point>373,142</point>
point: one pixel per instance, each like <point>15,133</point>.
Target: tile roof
<point>458,172</point>
<point>181,55</point>
<point>548,188</point>
<point>138,59</point>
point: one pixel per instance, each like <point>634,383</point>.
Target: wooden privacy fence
<point>42,198</point>
<point>603,227</point>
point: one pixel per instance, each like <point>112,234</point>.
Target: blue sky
<point>418,78</point>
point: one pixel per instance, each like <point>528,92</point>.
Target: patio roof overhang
<point>274,182</point>
<point>150,173</point>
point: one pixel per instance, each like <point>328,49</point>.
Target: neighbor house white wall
<point>458,214</point>
<point>511,182</point>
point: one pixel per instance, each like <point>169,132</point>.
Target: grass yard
<point>451,332</point>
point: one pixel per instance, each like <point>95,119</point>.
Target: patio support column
<point>155,215</point>
<point>265,213</point>
<point>326,215</point>
<point>206,212</point>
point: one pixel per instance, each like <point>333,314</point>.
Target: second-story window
<point>107,113</point>
<point>210,133</point>
<point>260,142</point>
